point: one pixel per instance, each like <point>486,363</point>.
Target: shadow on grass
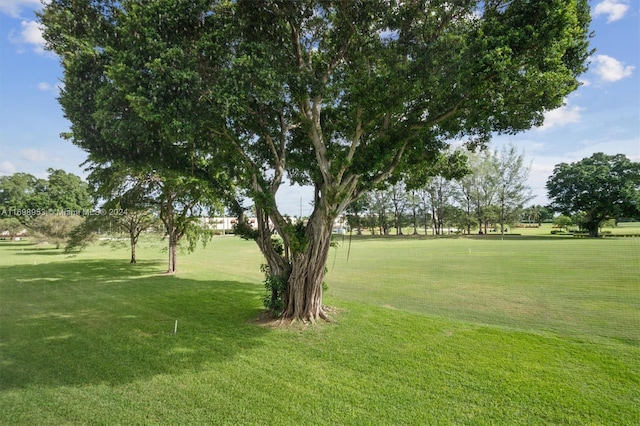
<point>84,322</point>
<point>48,250</point>
<point>68,269</point>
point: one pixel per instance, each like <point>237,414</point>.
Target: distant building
<point>6,235</point>
<point>227,223</point>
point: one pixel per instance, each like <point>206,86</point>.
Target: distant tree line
<point>488,193</point>
<point>479,192</point>
<point>65,210</point>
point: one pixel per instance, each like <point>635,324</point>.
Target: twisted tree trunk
<point>303,297</point>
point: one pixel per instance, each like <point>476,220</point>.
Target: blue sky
<point>603,115</point>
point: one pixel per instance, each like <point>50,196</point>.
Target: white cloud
<point>615,9</point>
<point>31,154</point>
<point>44,86</point>
<point>537,147</point>
<point>30,35</point>
<point>561,116</point>
<point>6,168</point>
<point>527,144</point>
<point>584,82</point>
<point>14,7</point>
<point>611,146</point>
<point>610,69</point>
<point>47,87</point>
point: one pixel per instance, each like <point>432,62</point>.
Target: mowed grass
<point>428,331</point>
<point>582,288</point>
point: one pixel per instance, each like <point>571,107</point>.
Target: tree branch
<point>392,166</point>
<point>295,44</point>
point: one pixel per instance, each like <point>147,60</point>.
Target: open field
<point>587,288</point>
<point>429,331</point>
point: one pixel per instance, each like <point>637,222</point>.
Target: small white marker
<point>175,327</point>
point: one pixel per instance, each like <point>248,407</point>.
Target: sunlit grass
<point>574,287</point>
<point>449,331</point>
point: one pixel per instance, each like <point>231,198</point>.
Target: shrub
<point>275,286</point>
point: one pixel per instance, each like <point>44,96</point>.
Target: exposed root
<point>324,316</point>
<point>268,319</point>
<point>285,322</point>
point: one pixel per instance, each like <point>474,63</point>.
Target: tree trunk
<point>173,254</point>
<point>132,241</point>
<point>435,220</point>
<point>303,297</point>
<point>503,214</point>
<point>426,224</point>
<point>278,262</point>
<point>592,227</point>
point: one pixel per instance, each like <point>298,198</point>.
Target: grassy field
<point>535,330</point>
<point>587,288</point>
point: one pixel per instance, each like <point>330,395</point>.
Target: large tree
<point>339,95</point>
<point>595,189</point>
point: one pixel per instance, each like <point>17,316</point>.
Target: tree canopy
<point>49,208</point>
<point>340,95</point>
<point>595,189</point>
<point>26,197</point>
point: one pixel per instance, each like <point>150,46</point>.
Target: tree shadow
<point>69,269</point>
<point>49,250</point>
<point>86,322</point>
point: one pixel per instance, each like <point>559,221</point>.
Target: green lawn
<point>429,331</point>
<point>576,288</point>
